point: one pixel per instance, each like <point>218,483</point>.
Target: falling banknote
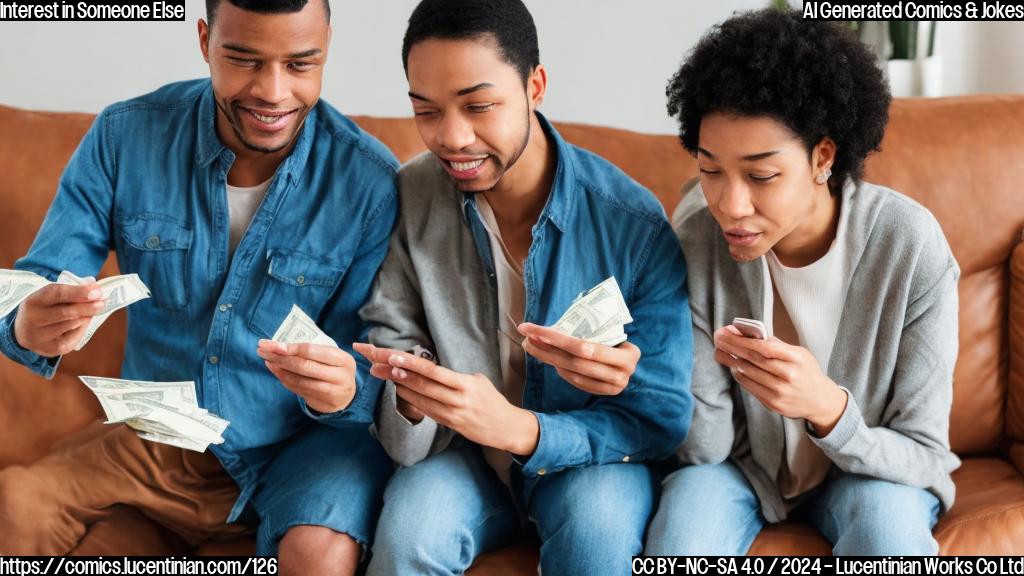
<point>299,328</point>
<point>118,291</point>
<point>598,315</point>
<point>166,412</point>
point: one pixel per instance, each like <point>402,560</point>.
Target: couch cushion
<point>1015,400</point>
<point>988,516</point>
<point>960,157</point>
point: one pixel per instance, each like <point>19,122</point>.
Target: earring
<point>823,177</point>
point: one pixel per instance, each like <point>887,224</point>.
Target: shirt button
<point>153,242</point>
<point>625,458</point>
<point>224,307</point>
<point>542,471</point>
<point>301,279</point>
<point>214,359</point>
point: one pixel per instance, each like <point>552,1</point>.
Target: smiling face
<point>760,185</point>
<point>472,109</point>
<point>266,71</point>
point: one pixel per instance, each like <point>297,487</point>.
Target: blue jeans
<point>712,510</point>
<point>443,512</point>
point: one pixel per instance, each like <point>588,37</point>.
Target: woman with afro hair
<point>840,416</point>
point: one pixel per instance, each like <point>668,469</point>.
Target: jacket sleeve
<point>76,234</point>
<point>649,419</point>
<point>712,431</point>
<point>397,320</point>
<point>910,444</point>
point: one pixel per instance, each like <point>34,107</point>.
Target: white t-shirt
<point>243,201</point>
<point>813,297</point>
<point>511,310</point>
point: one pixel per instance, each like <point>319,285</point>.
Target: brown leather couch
<point>961,157</point>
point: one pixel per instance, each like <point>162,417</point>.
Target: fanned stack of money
<point>118,291</point>
<point>598,315</point>
<point>165,412</point>
<point>299,328</point>
<point>16,286</point>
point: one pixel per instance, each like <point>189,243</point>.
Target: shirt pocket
<point>293,278</point>
<point>156,248</point>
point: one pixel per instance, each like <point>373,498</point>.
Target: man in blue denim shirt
<point>149,181</point>
<point>502,224</point>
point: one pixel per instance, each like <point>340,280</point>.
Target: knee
<point>603,508</point>
<point>317,550</point>
<point>406,544</point>
<point>880,518</point>
<point>705,509</point>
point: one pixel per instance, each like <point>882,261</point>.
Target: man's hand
<point>786,379</point>
<point>593,368</point>
<point>52,321</point>
<point>378,358</point>
<point>323,376</point>
<point>467,403</point>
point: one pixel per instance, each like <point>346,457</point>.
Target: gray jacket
<point>894,352</point>
<point>437,289</point>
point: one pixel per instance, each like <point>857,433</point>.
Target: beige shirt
<point>511,310</point>
<point>808,304</point>
<point>243,201</point>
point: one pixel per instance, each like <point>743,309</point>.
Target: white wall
<point>608,60</point>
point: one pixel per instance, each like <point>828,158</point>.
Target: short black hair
<point>816,78</point>
<point>263,7</point>
<point>507,22</point>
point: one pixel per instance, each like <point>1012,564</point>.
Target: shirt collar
<point>561,200</point>
<point>210,147</point>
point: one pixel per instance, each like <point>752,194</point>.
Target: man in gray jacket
<point>502,225</point>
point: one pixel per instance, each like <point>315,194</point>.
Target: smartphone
<point>751,328</point>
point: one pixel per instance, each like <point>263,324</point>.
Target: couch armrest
<point>1015,386</point>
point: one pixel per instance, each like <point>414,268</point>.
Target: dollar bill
<point>16,286</point>
<point>299,328</point>
<point>118,291</point>
<point>598,315</point>
<point>165,412</point>
<point>172,440</point>
<point>196,426</point>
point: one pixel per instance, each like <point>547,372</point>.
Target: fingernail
<point>544,340</point>
<point>99,304</point>
<point>396,359</point>
<point>740,369</point>
<point>588,350</point>
<point>94,294</point>
<point>399,373</point>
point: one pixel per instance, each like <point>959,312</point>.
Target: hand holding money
<point>587,346</point>
<point>54,318</point>
<point>310,364</point>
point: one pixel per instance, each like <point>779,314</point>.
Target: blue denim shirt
<point>148,181</point>
<point>438,289</point>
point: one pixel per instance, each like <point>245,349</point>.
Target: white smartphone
<point>751,328</point>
